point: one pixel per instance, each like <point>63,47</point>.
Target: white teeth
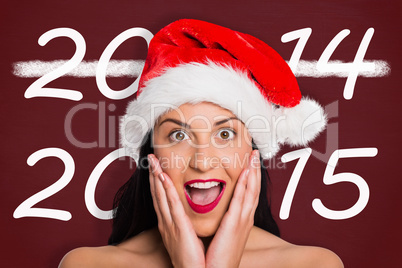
<point>204,185</point>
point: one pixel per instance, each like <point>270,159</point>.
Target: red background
<point>370,119</point>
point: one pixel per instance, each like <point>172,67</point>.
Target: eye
<point>178,135</point>
<point>226,134</point>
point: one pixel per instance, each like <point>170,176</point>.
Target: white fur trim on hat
<point>231,89</point>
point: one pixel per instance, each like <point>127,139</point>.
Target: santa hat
<point>192,61</point>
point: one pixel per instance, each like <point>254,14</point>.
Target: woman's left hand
<point>227,246</point>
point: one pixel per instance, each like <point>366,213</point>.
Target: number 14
<point>323,66</point>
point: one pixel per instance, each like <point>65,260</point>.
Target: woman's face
<point>203,148</point>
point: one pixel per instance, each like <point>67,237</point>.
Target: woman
<point>212,103</point>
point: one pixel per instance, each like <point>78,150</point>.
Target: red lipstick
<point>207,207</point>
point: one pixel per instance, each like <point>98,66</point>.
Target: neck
<point>206,241</point>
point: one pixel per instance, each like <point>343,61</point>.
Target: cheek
<point>235,162</point>
<point>172,162</point>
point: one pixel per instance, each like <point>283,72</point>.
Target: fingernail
<point>255,157</point>
<point>247,171</point>
<point>161,177</point>
<point>151,163</point>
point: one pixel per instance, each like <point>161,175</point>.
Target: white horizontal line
<point>115,68</point>
<point>133,68</point>
<point>307,68</point>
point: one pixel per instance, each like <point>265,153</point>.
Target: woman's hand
<point>226,248</point>
<point>184,247</point>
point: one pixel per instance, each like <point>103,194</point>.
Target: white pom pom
<point>300,124</point>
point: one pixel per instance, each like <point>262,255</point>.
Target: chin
<point>205,232</point>
<point>207,224</point>
<point>206,227</point>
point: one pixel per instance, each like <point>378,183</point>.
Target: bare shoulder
<point>90,257</point>
<point>268,250</point>
<point>143,250</point>
<point>306,256</point>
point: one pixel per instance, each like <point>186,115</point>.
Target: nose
<point>203,158</point>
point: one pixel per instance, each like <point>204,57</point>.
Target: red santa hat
<point>192,61</point>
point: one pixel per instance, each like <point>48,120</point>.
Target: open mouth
<point>204,195</point>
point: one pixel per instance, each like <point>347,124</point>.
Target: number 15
<point>329,178</point>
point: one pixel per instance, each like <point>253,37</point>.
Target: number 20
<point>38,89</point>
<point>25,209</point>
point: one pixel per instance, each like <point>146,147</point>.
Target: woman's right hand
<point>184,247</point>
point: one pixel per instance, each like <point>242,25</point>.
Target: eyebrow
<point>220,122</point>
<point>185,125</point>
